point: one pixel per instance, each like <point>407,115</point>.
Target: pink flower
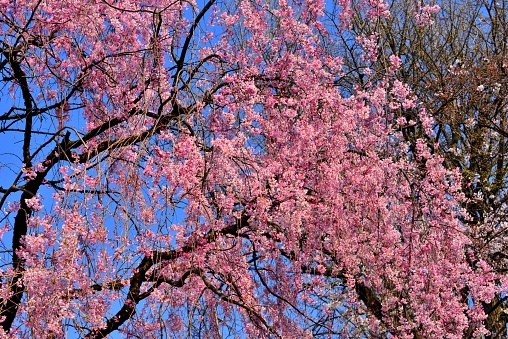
<point>424,14</point>
<point>34,204</point>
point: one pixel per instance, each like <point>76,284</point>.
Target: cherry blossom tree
<point>457,67</point>
<point>196,169</point>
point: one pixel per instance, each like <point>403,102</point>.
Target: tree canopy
<point>261,169</point>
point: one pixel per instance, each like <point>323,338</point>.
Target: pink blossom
<point>34,203</point>
<point>424,15</point>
